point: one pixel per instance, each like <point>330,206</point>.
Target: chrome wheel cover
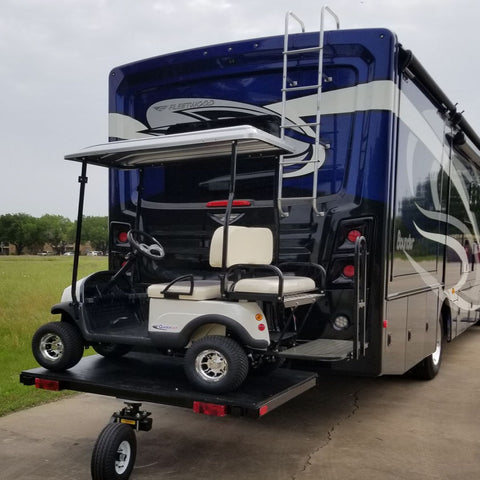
<point>211,365</point>
<point>437,353</point>
<point>51,347</point>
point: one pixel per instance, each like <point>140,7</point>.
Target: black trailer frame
<point>151,377</point>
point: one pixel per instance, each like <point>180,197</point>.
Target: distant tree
<point>21,230</point>
<point>55,230</point>
<point>95,231</point>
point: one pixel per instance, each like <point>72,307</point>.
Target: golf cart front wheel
<point>114,453</point>
<point>216,364</point>
<point>57,346</point>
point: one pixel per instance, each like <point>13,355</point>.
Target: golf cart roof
<point>198,145</point>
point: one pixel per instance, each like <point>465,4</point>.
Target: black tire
<point>429,367</point>
<point>57,346</point>
<point>114,453</point>
<point>216,364</point>
<point>112,350</point>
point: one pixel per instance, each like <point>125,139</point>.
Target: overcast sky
<point>56,56</point>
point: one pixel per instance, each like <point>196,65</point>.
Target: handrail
<point>360,298</point>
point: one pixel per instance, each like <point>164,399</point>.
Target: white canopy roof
<point>198,145</point>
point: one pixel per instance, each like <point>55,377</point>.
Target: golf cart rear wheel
<point>113,456</point>
<point>112,350</point>
<point>57,346</point>
<point>216,364</point>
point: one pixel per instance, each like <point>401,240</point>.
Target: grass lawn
<point>29,286</point>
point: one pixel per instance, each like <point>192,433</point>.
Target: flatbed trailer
<point>150,377</point>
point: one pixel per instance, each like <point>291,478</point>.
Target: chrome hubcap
<point>51,346</point>
<point>211,365</point>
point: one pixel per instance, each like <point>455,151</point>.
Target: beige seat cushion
<point>202,290</point>
<point>252,245</point>
<point>270,285</point>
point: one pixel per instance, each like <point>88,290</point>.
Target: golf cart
<point>238,316</point>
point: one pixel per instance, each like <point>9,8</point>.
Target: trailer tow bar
<point>115,450</point>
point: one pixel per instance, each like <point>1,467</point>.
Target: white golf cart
<point>239,317</point>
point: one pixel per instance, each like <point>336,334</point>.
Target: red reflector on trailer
<point>224,203</point>
<point>210,409</point>
<point>123,237</point>
<point>53,385</point>
<point>385,324</point>
<point>263,410</point>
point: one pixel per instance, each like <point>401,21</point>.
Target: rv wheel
<point>428,368</point>
<point>216,364</point>
<point>114,453</point>
<point>57,346</point>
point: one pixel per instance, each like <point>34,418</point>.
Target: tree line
<point>33,233</point>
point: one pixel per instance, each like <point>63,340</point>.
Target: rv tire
<point>429,367</point>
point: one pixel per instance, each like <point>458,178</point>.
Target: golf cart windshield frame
<point>156,151</point>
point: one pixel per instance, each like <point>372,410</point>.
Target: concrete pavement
<point>346,429</point>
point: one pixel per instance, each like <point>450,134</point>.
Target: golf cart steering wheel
<point>153,251</point>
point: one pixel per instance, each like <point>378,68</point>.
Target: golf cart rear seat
<point>248,259</point>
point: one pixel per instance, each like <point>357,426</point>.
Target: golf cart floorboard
<point>151,377</point>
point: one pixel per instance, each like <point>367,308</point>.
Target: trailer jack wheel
<point>114,453</point>
<point>115,450</point>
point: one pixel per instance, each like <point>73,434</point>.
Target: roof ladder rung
<point>304,87</point>
<point>301,50</point>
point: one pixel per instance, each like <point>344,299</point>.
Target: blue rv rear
<point>397,166</point>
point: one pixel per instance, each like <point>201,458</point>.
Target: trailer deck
<point>150,377</point>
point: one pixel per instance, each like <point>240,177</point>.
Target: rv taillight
<point>353,235</point>
<point>210,409</point>
<point>44,384</point>
<point>349,271</point>
<point>224,203</point>
<point>123,237</point>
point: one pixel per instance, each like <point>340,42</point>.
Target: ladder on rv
<point>287,123</point>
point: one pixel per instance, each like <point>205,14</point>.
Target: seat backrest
<point>252,245</point>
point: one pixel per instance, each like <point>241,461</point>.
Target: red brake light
<point>210,409</point>
<point>353,235</point>
<point>224,203</point>
<point>123,237</point>
<point>349,271</point>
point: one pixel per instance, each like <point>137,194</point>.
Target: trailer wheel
<point>57,346</point>
<point>428,368</point>
<point>114,453</point>
<point>216,364</point>
<point>112,350</point>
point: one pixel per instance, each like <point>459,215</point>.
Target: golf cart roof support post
<point>82,179</point>
<point>139,198</point>
<point>231,194</point>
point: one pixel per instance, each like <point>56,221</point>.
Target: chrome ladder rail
<point>318,145</point>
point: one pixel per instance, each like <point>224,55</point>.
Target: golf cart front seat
<point>249,273</point>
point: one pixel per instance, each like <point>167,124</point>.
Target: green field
<point>29,286</point>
